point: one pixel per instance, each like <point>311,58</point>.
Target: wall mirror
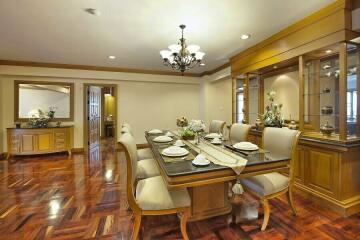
<point>33,95</point>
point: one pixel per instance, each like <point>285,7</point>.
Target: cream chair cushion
<point>279,140</point>
<point>144,153</point>
<point>147,168</point>
<point>152,194</point>
<point>128,140</point>
<point>266,184</point>
<point>126,130</point>
<point>239,132</point>
<point>216,126</point>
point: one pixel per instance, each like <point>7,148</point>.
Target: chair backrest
<point>126,130</point>
<point>239,132</point>
<point>127,142</point>
<point>282,141</point>
<point>216,126</point>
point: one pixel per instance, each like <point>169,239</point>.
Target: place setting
<point>245,148</point>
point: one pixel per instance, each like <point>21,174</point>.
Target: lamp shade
<point>193,48</point>
<point>165,54</point>
<point>175,48</point>
<point>199,55</point>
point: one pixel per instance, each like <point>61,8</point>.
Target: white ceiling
<point>60,31</point>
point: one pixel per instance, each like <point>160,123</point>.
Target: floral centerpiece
<point>272,116</point>
<point>188,130</point>
<point>40,119</point>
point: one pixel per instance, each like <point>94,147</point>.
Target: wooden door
<point>94,119</point>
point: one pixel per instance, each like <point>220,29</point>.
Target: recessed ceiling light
<point>275,67</point>
<point>245,36</point>
<point>93,11</point>
<point>202,64</point>
<point>112,57</point>
<point>328,51</point>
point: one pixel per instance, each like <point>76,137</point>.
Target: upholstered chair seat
<point>152,194</point>
<point>266,184</point>
<point>216,126</point>
<point>144,153</point>
<point>147,168</point>
<point>280,141</point>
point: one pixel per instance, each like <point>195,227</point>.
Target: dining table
<point>208,186</point>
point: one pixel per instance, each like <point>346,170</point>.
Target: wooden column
<point>234,104</point>
<point>301,93</point>
<point>342,91</point>
<point>246,97</point>
<point>261,95</point>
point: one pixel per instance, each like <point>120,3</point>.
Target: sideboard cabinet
<point>29,141</point>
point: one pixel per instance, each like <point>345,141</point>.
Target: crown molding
<point>93,68</point>
<point>108,69</point>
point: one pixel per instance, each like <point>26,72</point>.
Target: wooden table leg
<point>209,201</point>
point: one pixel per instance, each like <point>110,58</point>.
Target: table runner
<point>217,155</point>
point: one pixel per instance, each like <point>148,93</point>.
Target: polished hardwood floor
<point>56,197</point>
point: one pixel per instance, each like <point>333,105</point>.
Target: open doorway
<point>100,114</point>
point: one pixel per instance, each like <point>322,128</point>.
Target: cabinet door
<point>15,143</point>
<point>45,141</point>
<point>28,143</point>
<point>322,171</point>
<point>60,141</point>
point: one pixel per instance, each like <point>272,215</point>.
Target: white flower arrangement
<point>197,126</point>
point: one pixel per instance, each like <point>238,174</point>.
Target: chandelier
<point>180,56</point>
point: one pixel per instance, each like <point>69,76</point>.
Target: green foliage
<point>272,116</point>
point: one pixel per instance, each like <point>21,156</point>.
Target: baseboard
<point>77,150</point>
<point>345,208</point>
<point>142,145</point>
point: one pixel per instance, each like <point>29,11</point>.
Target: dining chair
<point>216,126</point>
<point>279,141</point>
<point>151,196</point>
<point>143,153</point>
<point>146,167</point>
<point>239,132</point>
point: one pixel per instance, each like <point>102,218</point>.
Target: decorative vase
<point>188,137</point>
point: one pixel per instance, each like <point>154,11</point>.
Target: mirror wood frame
<point>16,99</point>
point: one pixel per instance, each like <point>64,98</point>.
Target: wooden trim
<point>77,150</point>
<point>215,69</point>
<point>234,103</point>
<point>93,68</point>
<point>115,117</point>
<point>142,145</point>
<point>343,90</point>
<point>301,92</point>
<point>323,13</point>
<point>16,99</point>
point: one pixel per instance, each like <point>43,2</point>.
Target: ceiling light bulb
<point>199,55</point>
<point>245,36</point>
<point>165,54</point>
<point>112,57</point>
<point>275,67</point>
<point>328,51</point>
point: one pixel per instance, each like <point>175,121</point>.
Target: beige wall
<point>216,100</point>
<point>2,130</point>
<point>287,92</point>
<point>145,101</point>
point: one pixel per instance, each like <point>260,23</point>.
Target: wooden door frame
<point>85,105</point>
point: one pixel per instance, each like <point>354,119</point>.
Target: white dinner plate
<point>213,135</point>
<point>162,139</point>
<point>174,155</point>
<point>203,162</point>
<point>155,131</point>
<point>246,146</point>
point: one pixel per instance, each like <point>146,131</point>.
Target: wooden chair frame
<point>183,212</point>
<point>265,199</point>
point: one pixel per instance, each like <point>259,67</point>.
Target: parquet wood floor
<point>56,197</point>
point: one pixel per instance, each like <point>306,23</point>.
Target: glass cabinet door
<point>254,87</point>
<point>240,100</point>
